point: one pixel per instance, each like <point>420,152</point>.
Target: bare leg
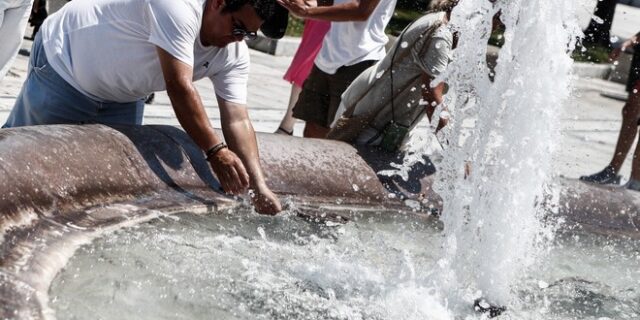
<point>288,120</point>
<point>628,131</point>
<point>634,103</point>
<point>312,130</point>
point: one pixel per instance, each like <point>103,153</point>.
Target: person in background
<point>383,104</point>
<point>629,128</point>
<point>355,41</point>
<point>310,44</point>
<point>38,14</point>
<point>14,15</point>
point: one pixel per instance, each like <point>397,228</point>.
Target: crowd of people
<point>345,85</point>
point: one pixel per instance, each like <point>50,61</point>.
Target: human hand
<point>265,201</point>
<point>230,171</point>
<point>617,51</point>
<point>298,8</point>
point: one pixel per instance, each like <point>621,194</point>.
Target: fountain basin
<point>64,186</point>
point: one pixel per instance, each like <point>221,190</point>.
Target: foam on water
<point>244,266</point>
<point>250,267</point>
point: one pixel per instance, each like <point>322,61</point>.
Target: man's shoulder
<point>182,8</point>
<point>196,4</point>
<point>234,58</point>
<point>429,26</point>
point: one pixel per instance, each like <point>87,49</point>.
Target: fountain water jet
<point>492,216</point>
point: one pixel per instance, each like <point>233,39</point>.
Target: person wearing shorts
<point>355,41</point>
<point>310,44</point>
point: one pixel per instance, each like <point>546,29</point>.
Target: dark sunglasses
<point>239,32</point>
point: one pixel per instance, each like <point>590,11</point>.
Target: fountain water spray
<point>505,130</point>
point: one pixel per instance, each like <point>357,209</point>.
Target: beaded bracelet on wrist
<point>215,149</point>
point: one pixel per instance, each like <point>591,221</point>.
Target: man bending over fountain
<point>95,61</point>
<point>383,104</point>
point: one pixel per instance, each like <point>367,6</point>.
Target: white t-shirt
<point>350,42</point>
<point>107,48</point>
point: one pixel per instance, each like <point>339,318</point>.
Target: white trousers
<point>14,15</point>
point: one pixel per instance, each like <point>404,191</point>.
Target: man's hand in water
<point>235,180</point>
<point>230,171</point>
<point>241,137</point>
<point>265,201</point>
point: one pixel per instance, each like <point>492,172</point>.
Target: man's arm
<point>193,118</point>
<point>434,96</point>
<point>354,10</point>
<point>241,137</point>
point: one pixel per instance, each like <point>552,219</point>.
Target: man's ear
<point>216,4</point>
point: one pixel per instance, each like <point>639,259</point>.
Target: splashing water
<point>252,267</point>
<point>492,211</point>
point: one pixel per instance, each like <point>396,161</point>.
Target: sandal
<point>283,131</point>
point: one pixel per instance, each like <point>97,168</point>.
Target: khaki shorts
<point>321,92</point>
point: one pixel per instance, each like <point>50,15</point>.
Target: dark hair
<point>264,8</point>
<point>443,5</point>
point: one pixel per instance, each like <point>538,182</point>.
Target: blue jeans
<point>46,98</point>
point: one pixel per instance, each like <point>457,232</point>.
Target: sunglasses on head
<point>240,32</point>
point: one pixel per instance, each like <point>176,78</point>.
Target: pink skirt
<point>312,36</point>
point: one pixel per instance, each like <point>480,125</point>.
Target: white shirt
<point>106,49</point>
<point>350,42</point>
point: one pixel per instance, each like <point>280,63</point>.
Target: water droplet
<point>355,187</point>
<point>262,234</point>
<point>438,45</point>
<point>597,19</point>
<point>614,39</point>
<point>404,44</point>
<point>413,204</point>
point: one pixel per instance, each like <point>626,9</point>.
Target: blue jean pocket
<point>43,69</point>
